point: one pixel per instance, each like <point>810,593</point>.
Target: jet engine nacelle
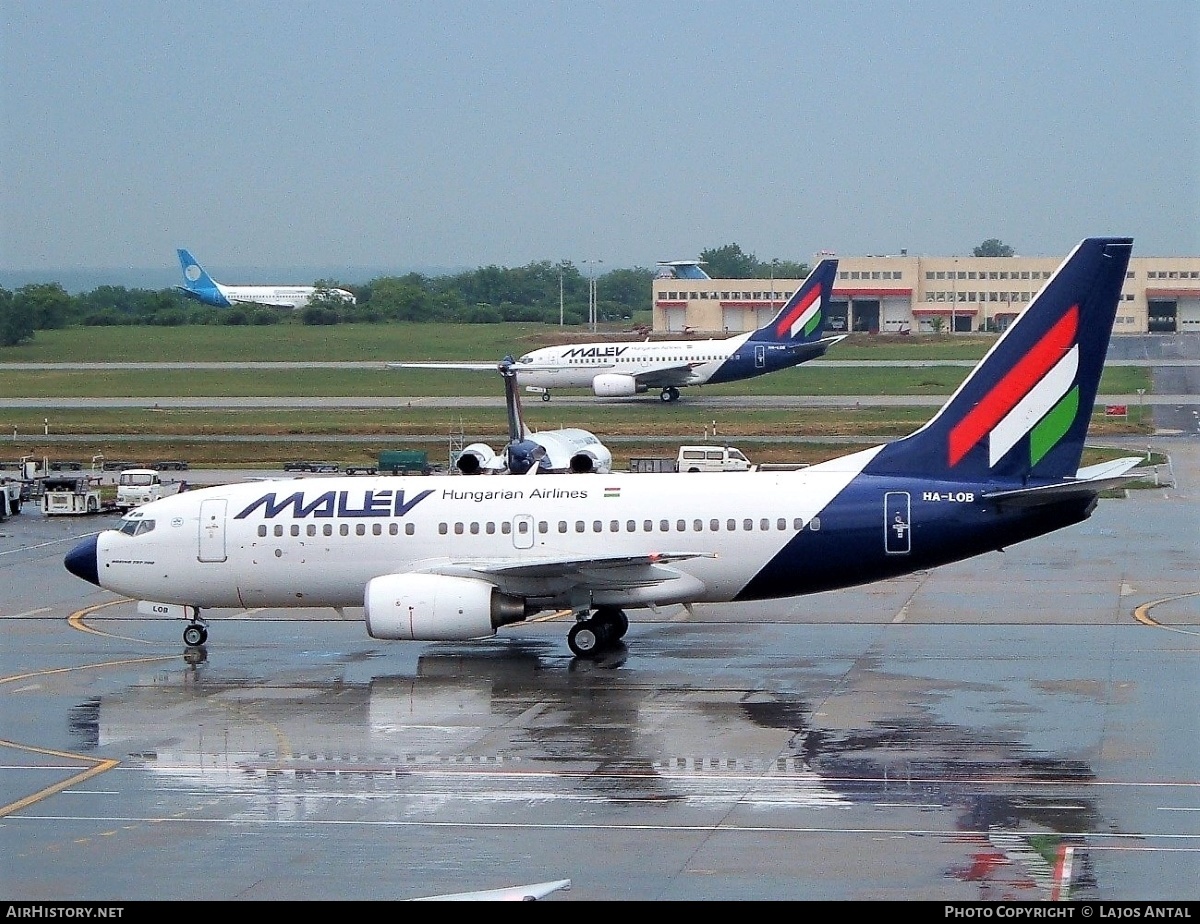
<point>613,385</point>
<point>475,458</point>
<point>591,462</point>
<point>434,608</point>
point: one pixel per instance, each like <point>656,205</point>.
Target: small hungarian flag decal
<point>612,492</point>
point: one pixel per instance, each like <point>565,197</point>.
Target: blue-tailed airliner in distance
<point>619,369</point>
<point>202,287</point>
<point>438,558</point>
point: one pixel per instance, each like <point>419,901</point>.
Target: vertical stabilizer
<point>198,284</point>
<point>802,318</point>
<point>1023,413</point>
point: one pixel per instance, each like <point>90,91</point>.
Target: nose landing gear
<point>195,633</point>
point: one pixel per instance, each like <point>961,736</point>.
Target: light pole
<point>592,291</point>
<point>561,265</point>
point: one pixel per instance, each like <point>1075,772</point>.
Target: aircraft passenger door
<point>522,531</point>
<point>212,530</point>
<point>760,356</point>
<point>897,523</point>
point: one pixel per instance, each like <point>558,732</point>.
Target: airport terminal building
<point>922,295</point>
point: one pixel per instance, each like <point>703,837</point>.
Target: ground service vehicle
<point>67,495</point>
<point>404,462</point>
<point>137,486</point>
<point>10,497</point>
<point>311,467</point>
<point>711,459</point>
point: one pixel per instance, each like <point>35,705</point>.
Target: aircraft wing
<point>470,367</point>
<point>1088,482</point>
<point>522,893</point>
<point>666,376</point>
<point>555,576</point>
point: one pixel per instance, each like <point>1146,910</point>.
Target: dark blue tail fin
<point>1024,411</point>
<point>802,318</point>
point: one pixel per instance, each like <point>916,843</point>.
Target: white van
<point>711,459</point>
<point>137,486</point>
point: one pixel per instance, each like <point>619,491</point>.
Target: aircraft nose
<point>81,561</point>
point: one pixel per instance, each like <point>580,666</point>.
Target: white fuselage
<point>577,365</point>
<point>276,296</point>
<point>318,542</point>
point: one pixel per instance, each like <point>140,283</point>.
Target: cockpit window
<point>136,527</point>
<point>525,359</point>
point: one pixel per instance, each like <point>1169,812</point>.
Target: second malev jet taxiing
<point>456,559</point>
<point>198,285</point>
<point>622,368</point>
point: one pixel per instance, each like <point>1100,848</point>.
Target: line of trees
<point>488,295</point>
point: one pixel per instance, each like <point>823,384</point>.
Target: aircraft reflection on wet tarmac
<point>495,727</point>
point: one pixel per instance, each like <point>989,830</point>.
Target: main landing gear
<point>669,394</point>
<point>591,635</point>
<point>195,633</point>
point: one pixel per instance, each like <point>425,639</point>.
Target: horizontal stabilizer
<point>1109,469</point>
<point>815,348</point>
<point>1088,482</point>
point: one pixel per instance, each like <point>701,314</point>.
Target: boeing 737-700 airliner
<point>622,368</point>
<point>198,285</point>
<point>434,558</point>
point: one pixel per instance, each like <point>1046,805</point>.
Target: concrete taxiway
<point>1021,725</point>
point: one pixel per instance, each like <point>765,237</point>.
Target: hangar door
<point>1162,314</point>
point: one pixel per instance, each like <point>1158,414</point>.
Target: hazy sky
<point>457,134</point>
